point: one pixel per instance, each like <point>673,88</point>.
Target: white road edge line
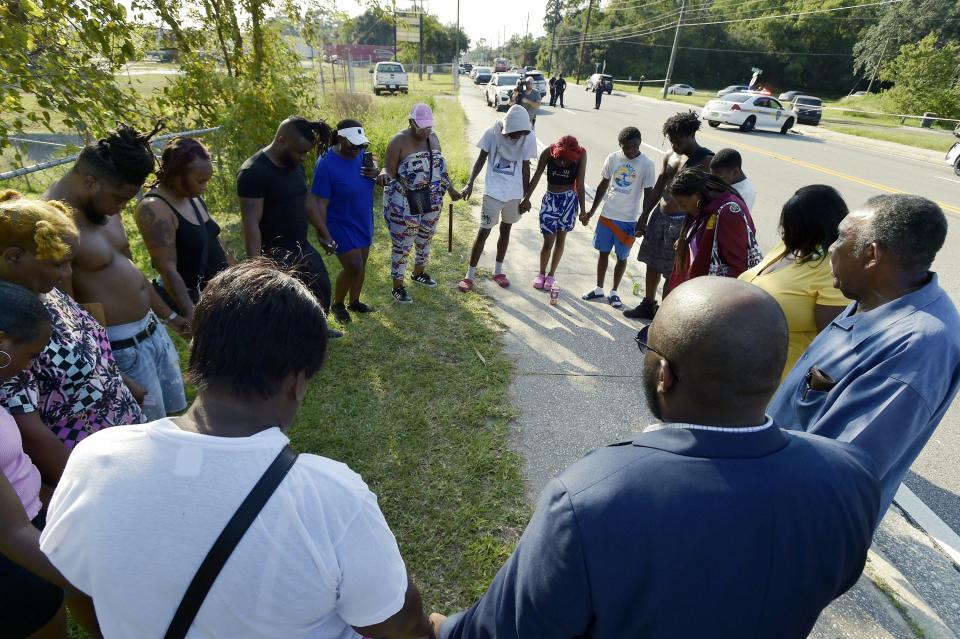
<point>650,146</point>
<point>939,177</point>
<point>570,112</point>
<point>939,531</point>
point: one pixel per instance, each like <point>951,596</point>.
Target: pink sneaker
<point>501,280</point>
<point>538,282</point>
<point>465,285</point>
<point>548,283</point>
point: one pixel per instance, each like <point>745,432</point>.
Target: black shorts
<point>28,602</point>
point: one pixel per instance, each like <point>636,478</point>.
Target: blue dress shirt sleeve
<point>542,591</point>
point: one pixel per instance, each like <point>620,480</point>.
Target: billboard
<point>408,27</point>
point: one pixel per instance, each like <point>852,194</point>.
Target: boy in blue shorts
<point>627,175</point>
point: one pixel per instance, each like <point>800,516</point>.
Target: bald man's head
<point>725,342</point>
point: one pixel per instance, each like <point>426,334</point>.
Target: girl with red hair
<point>565,163</point>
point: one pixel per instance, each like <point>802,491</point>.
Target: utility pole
<point>553,40</point>
<point>394,30</point>
<point>421,40</point>
<point>876,67</point>
<point>456,51</point>
<point>673,51</point>
<point>583,40</point>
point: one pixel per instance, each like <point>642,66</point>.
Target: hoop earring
<point>9,359</point>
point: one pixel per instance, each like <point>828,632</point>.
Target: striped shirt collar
<point>715,429</point>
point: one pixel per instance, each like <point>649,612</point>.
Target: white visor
<point>354,135</point>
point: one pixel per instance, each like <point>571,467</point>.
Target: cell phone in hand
<point>368,160</point>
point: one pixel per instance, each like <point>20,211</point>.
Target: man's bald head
<point>724,340</point>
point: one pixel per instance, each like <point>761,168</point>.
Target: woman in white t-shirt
<point>138,508</point>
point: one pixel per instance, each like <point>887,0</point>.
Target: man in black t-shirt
<point>272,186</point>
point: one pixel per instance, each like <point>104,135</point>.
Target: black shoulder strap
<point>205,251</point>
<point>227,541</point>
<point>162,199</point>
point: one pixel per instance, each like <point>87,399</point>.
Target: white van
<point>389,77</point>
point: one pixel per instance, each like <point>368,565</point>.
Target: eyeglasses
<point>641,340</point>
<point>358,147</point>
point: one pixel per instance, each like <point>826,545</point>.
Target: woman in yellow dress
<point>797,273</point>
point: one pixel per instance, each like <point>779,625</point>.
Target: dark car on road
<point>482,75</point>
<point>808,108</point>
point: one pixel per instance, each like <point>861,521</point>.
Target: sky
<point>479,18</point>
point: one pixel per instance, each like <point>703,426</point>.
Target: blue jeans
<point>154,364</point>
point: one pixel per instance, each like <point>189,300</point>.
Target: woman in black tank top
<point>565,163</point>
<point>183,240</point>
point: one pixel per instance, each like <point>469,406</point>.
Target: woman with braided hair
<point>74,387</point>
<point>182,238</point>
<point>718,236</point>
<point>565,163</point>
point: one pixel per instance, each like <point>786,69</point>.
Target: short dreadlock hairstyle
<point>123,157</point>
<point>682,125</point>
<point>629,133</point>
<point>317,132</point>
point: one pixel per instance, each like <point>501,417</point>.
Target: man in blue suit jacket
<point>714,523</point>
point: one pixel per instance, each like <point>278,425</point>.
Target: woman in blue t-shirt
<point>343,182</point>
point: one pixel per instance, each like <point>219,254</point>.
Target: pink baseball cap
<point>422,115</point>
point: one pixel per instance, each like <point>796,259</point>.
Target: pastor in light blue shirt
<point>885,371</point>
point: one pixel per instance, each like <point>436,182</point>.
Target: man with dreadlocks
<point>272,186</point>
<point>105,177</point>
<point>661,228</point>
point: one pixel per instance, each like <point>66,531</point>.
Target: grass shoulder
<point>414,397</point>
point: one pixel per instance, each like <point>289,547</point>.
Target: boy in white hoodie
<point>511,146</point>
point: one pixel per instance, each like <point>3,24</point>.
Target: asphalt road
<point>778,165</point>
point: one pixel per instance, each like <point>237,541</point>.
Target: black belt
<point>121,344</point>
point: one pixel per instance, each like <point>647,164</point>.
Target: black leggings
<point>311,270</point>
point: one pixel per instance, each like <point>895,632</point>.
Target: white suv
<point>500,90</point>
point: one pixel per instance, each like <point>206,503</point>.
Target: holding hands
<point>640,228</point>
<point>585,216</point>
<point>467,191</point>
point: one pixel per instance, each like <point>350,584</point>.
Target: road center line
<point>570,112</point>
<point>868,183</point>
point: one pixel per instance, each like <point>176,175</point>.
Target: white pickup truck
<point>389,77</point>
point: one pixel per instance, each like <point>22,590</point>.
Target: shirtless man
<point>104,178</point>
<point>661,228</point>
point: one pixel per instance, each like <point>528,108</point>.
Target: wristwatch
<point>172,316</point>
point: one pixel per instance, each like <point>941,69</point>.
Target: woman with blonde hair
<point>74,387</point>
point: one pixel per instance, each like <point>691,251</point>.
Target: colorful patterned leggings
<point>405,233</point>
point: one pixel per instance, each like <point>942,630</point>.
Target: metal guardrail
<point>49,164</point>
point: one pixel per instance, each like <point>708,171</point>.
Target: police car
<point>749,111</point>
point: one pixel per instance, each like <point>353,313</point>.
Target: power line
<point>791,53</point>
<point>620,33</point>
<point>795,14</point>
<point>622,29</point>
